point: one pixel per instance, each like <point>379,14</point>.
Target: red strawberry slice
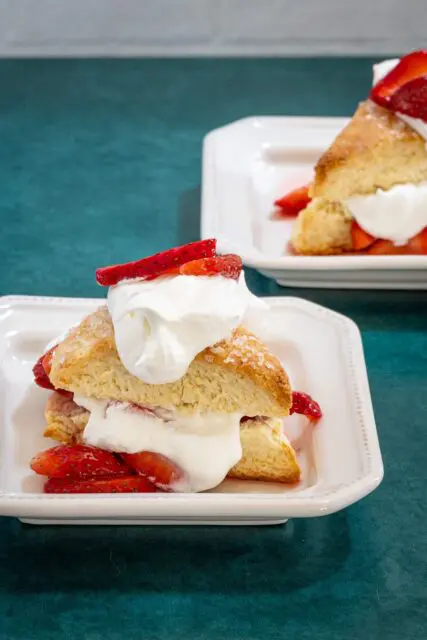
<point>78,462</point>
<point>126,484</point>
<point>360,238</point>
<point>411,99</point>
<point>294,202</point>
<point>418,244</point>
<point>387,248</point>
<point>160,470</point>
<point>304,404</point>
<point>228,266</point>
<point>408,68</point>
<point>40,376</point>
<point>47,359</point>
<point>63,392</point>
<point>153,266</point>
<point>41,371</point>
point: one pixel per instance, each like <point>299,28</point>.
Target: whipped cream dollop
<point>161,325</point>
<point>398,214</point>
<point>380,70</point>
<point>205,447</point>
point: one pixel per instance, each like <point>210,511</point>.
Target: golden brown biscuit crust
<point>375,150</point>
<point>231,375</point>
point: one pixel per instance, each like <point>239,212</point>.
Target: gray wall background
<point>210,27</point>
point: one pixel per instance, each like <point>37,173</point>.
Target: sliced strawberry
<point>151,267</point>
<point>228,266</point>
<point>40,376</point>
<point>386,248</point>
<point>126,484</point>
<point>408,68</point>
<point>41,371</point>
<point>78,462</point>
<point>294,202</point>
<point>418,244</point>
<point>360,238</point>
<point>160,470</point>
<point>63,392</point>
<point>304,404</point>
<point>411,99</point>
<point>47,359</point>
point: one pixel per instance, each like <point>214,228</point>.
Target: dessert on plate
<point>164,388</point>
<point>369,192</point>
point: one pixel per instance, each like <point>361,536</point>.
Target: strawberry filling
<point>365,243</point>
<point>361,240</point>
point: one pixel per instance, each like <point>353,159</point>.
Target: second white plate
<point>250,163</point>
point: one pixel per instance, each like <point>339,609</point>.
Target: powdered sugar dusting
<point>244,348</point>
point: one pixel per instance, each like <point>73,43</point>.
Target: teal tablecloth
<point>100,162</point>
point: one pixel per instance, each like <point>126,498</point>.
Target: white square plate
<point>323,355</point>
<point>250,163</point>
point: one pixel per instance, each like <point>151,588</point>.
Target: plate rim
<point>306,503</point>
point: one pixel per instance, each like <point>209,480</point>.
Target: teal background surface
<point>100,163</point>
